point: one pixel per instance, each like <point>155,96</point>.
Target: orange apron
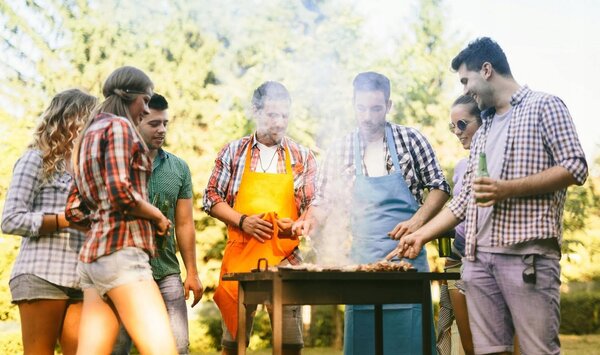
<point>272,194</point>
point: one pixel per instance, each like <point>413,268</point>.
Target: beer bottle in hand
<point>482,171</point>
<point>164,208</point>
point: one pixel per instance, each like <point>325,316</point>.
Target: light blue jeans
<point>171,289</point>
<point>500,303</point>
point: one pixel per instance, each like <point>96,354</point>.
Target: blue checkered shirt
<point>52,257</point>
<point>419,165</point>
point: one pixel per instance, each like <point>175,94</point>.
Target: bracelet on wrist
<point>56,220</point>
<point>241,222</point>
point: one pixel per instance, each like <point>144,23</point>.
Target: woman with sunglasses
<point>465,120</point>
<point>43,282</point>
<point>110,194</point>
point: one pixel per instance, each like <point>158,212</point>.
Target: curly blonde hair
<point>58,128</point>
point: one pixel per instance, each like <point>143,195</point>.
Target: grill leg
<point>277,325</point>
<point>426,312</point>
<point>241,334</point>
<point>378,329</point>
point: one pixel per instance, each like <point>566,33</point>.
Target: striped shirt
<point>52,257</point>
<point>113,174</point>
<point>541,135</point>
<point>224,182</point>
<point>419,165</point>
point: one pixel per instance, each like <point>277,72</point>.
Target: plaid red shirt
<point>113,174</point>
<point>541,134</point>
<point>224,182</point>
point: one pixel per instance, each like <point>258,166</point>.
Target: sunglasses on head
<point>135,92</point>
<point>461,124</point>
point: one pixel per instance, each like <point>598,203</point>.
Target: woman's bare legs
<point>459,304</point>
<point>99,325</point>
<point>69,334</point>
<point>43,321</point>
<point>144,315</point>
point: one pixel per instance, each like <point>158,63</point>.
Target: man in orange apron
<point>261,184</point>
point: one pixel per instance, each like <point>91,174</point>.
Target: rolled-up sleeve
<point>76,211</point>
<point>458,204</point>
<point>430,171</point>
<point>218,183</point>
<point>306,192</point>
<point>19,217</point>
<point>560,137</point>
<point>120,149</point>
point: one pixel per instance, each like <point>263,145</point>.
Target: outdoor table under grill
<point>299,287</point>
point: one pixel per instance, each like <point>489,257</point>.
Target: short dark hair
<point>469,101</point>
<point>479,51</point>
<point>269,90</point>
<point>371,81</point>
<point>158,102</point>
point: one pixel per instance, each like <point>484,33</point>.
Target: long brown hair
<point>120,89</point>
<point>58,128</point>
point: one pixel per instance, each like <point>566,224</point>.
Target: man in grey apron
<point>386,167</point>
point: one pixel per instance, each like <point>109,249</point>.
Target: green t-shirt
<point>170,181</point>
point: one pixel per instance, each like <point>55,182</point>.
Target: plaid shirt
<point>224,182</point>
<point>113,174</point>
<point>419,165</point>
<point>541,134</point>
<point>52,257</point>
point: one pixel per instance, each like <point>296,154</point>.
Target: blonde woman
<point>110,194</point>
<point>43,282</point>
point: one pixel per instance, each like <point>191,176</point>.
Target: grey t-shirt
<point>494,150</point>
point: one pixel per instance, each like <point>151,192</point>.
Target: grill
<point>279,287</point>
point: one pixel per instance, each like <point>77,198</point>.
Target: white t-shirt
<point>267,162</point>
<point>375,158</point>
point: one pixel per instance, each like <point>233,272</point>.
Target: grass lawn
<point>580,344</point>
<point>571,345</point>
<point>305,351</point>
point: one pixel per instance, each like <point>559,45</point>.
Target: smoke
<point>315,49</point>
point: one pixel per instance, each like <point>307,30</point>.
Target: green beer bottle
<point>445,244</point>
<point>482,170</point>
<point>164,209</point>
<point>163,206</point>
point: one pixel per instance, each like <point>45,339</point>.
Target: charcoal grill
<point>297,287</point>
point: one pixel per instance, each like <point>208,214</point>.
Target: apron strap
<point>391,147</point>
<point>248,162</point>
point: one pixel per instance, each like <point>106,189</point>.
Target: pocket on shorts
<point>547,273</point>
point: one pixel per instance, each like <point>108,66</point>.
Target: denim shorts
<point>501,302</point>
<point>28,287</point>
<point>124,266</point>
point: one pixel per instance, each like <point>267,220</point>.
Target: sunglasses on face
<point>529,275</point>
<point>461,124</point>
